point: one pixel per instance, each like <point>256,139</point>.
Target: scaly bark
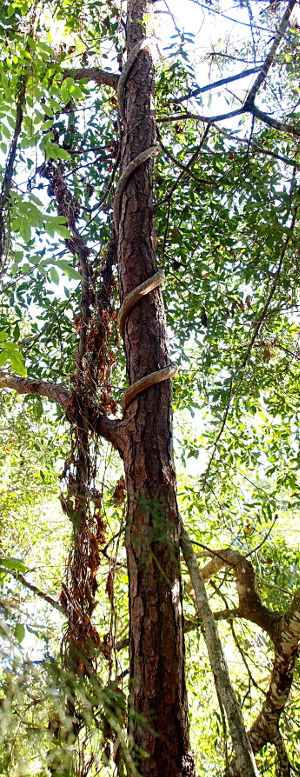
<point>158,705</point>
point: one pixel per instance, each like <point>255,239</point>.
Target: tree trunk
<point>158,705</point>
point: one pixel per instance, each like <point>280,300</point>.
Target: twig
<point>184,168</point>
<point>257,147</point>
<point>230,18</point>
<point>220,432</point>
<point>264,538</point>
<point>37,591</point>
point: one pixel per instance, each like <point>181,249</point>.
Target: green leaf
<point>29,142</point>
<point>25,231</point>
<point>54,151</point>
<point>9,562</point>
<point>62,231</point>
<point>4,358</point>
<point>48,111</point>
<point>54,275</point>
<point>47,125</point>
<point>62,153</point>
<point>5,131</point>
<point>16,333</point>
<point>19,632</point>
<point>68,270</point>
<point>9,346</point>
<point>18,256</point>
<point>15,359</point>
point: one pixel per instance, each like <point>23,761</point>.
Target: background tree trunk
<point>158,691</point>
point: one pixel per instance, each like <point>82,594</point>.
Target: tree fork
<point>158,704</point>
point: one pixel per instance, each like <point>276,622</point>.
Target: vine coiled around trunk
<point>157,278</point>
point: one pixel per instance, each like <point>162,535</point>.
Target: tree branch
<point>108,428</point>
<point>195,117</point>
<point>270,56</point>
<point>282,755</point>
<point>215,84</point>
<point>284,630</point>
<point>266,726</point>
<point>241,744</point>
<point>230,18</point>
<point>282,126</point>
<point>183,167</point>
<point>255,334</point>
<point>112,430</point>
<point>93,74</point>
<point>250,604</point>
<point>246,108</point>
<point>42,388</point>
<point>10,162</point>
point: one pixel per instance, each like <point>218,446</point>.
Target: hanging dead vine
<point>81,499</point>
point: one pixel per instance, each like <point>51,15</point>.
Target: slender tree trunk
<point>158,707</point>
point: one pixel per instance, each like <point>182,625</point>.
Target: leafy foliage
<point>227,205</point>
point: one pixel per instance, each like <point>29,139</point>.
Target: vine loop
<point>155,280</point>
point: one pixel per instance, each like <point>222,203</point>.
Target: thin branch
<point>250,14</point>
<point>10,163</point>
<point>230,18</point>
<point>205,119</point>
<point>100,202</point>
<point>220,432</point>
<point>37,591</point>
<point>282,126</point>
<point>271,292</point>
<point>256,331</point>
<point>257,147</point>
<point>243,657</point>
<point>216,84</point>
<point>264,539</point>
<point>249,106</point>
<point>230,56</point>
<point>183,167</point>
<point>181,175</point>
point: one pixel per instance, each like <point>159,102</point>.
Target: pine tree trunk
<point>158,708</point>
